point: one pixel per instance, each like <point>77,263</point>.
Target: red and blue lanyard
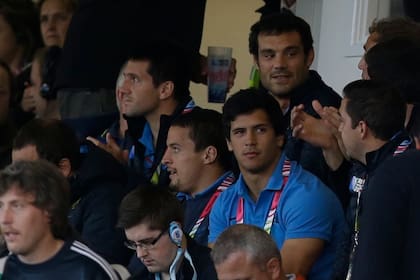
<point>274,202</point>
<point>204,214</point>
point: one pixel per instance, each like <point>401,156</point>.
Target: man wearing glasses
<point>152,219</point>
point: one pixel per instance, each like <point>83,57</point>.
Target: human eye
<point>44,19</point>
<point>18,205</point>
<point>261,129</point>
<point>238,132</point>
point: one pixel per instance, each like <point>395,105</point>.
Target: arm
<point>319,133</point>
<point>298,255</point>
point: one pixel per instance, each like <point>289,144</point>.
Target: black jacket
<point>96,192</point>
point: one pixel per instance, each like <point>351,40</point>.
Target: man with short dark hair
<point>198,161</point>
<point>275,193</point>
<point>282,47</point>
<point>152,219</point>
<point>34,202</point>
<point>154,92</point>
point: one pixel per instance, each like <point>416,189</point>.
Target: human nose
<point>279,61</point>
<point>250,138</point>
<point>5,216</point>
<point>166,157</point>
<point>141,252</point>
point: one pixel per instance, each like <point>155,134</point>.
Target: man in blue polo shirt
<point>302,215</point>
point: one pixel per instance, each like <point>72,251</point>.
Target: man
<point>371,129</point>
<point>388,240</point>
<point>281,45</point>
<point>34,202</point>
<point>154,92</point>
<point>301,214</point>
<point>55,17</point>
<point>387,29</point>
<point>152,219</point>
<point>97,183</point>
<point>198,161</point>
<point>247,252</point>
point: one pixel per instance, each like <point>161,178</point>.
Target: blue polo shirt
<point>307,209</point>
<point>194,206</point>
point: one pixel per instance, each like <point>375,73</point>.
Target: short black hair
<point>278,23</point>
<point>152,205</point>
<point>53,139</point>
<point>206,129</point>
<point>247,101</point>
<point>168,62</point>
<point>377,104</point>
<point>396,62</point>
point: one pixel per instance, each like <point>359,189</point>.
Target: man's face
<point>160,256</point>
<point>185,165</point>
<point>254,143</point>
<point>240,266</point>
<point>25,227</point>
<point>4,95</point>
<point>138,94</point>
<point>55,19</point>
<point>349,135</point>
<point>282,62</point>
<point>27,153</point>
<point>370,42</point>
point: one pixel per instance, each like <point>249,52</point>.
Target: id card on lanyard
<point>274,202</point>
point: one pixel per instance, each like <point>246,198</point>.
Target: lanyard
<point>357,185</point>
<point>274,202</point>
<point>223,186</point>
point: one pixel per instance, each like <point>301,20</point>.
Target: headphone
<point>48,72</point>
<point>175,233</point>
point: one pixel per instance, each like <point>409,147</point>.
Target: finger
<point>95,141</point>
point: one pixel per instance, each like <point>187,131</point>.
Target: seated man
<point>34,202</point>
<point>302,215</point>
<point>198,161</point>
<point>97,183</point>
<point>248,252</point>
<point>152,219</point>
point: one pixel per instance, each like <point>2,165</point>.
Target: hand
<point>111,147</point>
<point>200,74</point>
<point>310,129</point>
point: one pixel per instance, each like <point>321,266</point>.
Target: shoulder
<point>90,260</point>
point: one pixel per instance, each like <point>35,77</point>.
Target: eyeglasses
<point>145,245</point>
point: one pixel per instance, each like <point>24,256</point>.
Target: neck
<point>166,107</point>
<point>47,248</point>
<point>123,126</point>
<point>372,145</point>
<point>207,178</point>
<point>284,103</point>
<point>257,181</point>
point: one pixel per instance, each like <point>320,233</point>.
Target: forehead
<point>237,265</point>
<point>28,153</point>
<point>343,105</point>
<point>371,41</point>
<point>16,193</point>
<point>137,66</point>
<point>179,133</point>
<point>55,5</point>
<point>140,231</point>
<point>258,116</point>
<point>281,40</point>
